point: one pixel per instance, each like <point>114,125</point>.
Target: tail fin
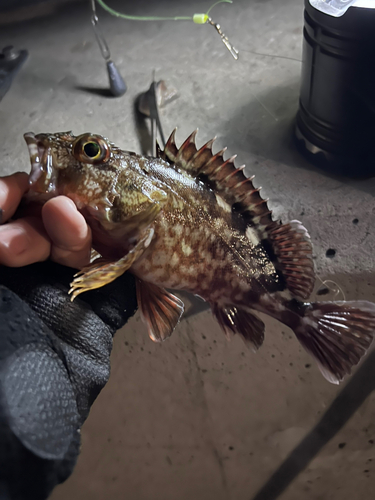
<point>337,335</point>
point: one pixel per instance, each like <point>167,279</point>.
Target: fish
<point>188,219</point>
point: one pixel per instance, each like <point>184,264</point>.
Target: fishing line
<point>336,291</point>
<point>198,18</point>
<point>275,56</point>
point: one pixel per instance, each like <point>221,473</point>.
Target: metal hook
<point>229,46</point>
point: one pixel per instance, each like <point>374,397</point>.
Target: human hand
<point>56,231</point>
<point>54,353</point>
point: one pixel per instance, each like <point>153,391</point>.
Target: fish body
<point>190,220</point>
<point>197,247</point>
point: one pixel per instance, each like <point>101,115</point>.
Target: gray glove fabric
<point>54,361</point>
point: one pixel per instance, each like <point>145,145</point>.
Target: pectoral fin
<point>101,271</point>
<point>160,310</point>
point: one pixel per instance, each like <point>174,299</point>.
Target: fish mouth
<point>42,176</point>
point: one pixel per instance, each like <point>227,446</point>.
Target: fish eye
<point>90,148</point>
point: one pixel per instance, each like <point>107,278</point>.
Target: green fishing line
<point>196,18</point>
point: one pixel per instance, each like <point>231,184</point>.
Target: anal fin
<point>292,247</point>
<point>233,319</point>
<point>160,310</point>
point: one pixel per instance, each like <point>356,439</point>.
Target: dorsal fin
<point>230,182</point>
<point>292,247</point>
<point>290,243</point>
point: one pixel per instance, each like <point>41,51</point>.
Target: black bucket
<point>336,119</point>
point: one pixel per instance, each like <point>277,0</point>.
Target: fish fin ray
<point>337,335</point>
<point>160,310</point>
<point>293,250</point>
<point>233,319</point>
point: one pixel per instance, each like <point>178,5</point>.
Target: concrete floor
<point>198,417</point>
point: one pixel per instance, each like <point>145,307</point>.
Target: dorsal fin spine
<point>170,150</point>
<point>192,137</point>
<point>183,151</point>
<point>159,152</point>
<point>233,174</point>
<point>244,181</point>
<point>215,157</point>
<point>172,139</point>
<point>222,165</point>
<point>202,150</point>
<point>214,164</point>
<point>208,145</point>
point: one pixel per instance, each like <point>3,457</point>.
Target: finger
<point>23,242</point>
<point>12,188</point>
<point>68,231</point>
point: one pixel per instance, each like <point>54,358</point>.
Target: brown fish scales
<point>190,220</point>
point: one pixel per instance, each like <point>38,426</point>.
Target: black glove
<point>54,361</point>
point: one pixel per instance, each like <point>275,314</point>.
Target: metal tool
<point>154,116</point>
<point>116,82</point>
<point>11,61</point>
<point>148,105</point>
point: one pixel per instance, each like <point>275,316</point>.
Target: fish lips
<point>43,173</point>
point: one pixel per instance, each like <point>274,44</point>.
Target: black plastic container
<point>336,119</point>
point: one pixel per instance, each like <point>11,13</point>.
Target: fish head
<point>82,168</point>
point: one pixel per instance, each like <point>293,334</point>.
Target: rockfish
<point>190,220</point>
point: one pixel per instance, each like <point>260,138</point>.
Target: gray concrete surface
<point>198,417</point>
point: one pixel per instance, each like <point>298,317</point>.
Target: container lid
<point>337,8</point>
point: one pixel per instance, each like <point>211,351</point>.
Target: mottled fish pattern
<point>190,220</point>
